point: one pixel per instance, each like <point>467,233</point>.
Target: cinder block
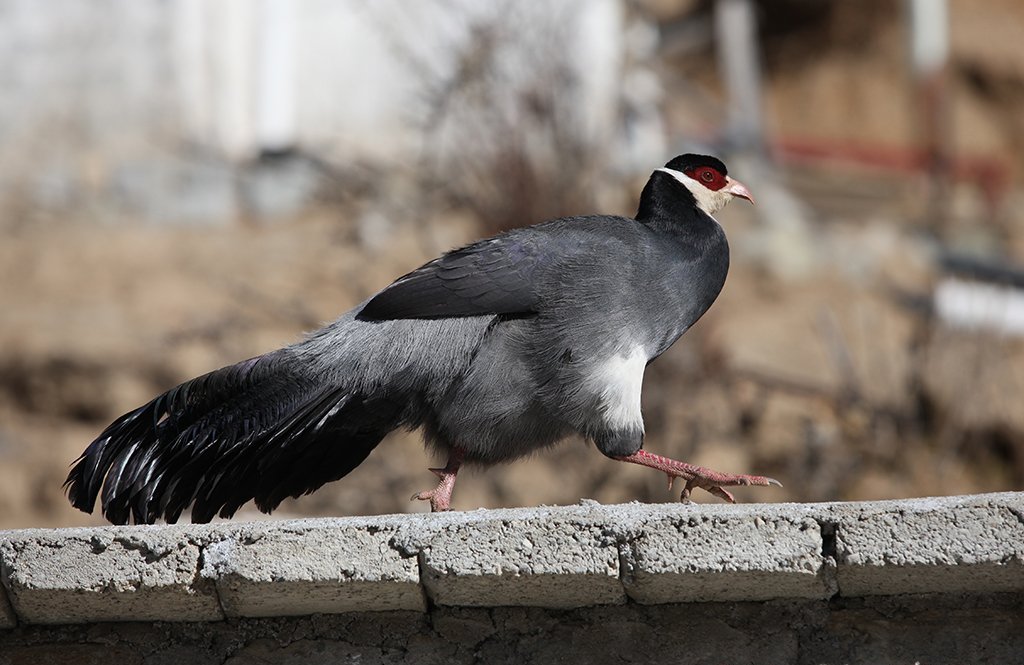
<point>309,567</point>
<point>565,557</point>
<point>107,574</point>
<point>972,544</point>
<point>727,553</point>
<point>542,558</point>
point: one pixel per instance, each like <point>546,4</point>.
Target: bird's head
<point>708,180</point>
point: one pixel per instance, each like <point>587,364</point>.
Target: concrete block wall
<point>819,581</point>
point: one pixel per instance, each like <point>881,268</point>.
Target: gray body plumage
<point>500,348</point>
<point>499,387</point>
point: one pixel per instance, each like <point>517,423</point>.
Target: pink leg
<point>696,476</point>
<point>440,497</point>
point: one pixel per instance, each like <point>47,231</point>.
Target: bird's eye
<point>707,176</point>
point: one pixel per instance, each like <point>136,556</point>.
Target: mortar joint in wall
<point>1016,513</point>
<point>829,530</point>
<point>215,582</point>
<point>623,540</point>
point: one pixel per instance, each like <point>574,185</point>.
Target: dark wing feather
<point>488,277</point>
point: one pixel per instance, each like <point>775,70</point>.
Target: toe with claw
<point>697,476</point>
<point>440,497</point>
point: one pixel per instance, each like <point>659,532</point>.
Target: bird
<point>496,350</point>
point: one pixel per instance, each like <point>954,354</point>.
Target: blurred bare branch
<point>506,131</point>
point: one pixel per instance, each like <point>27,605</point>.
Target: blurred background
<point>184,184</point>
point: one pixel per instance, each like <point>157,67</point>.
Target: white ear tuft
<point>708,200</point>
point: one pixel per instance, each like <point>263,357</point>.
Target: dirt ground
<point>97,321</point>
<point>836,378</point>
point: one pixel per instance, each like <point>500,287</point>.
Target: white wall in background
<point>128,98</point>
<point>980,306</point>
<point>350,74</point>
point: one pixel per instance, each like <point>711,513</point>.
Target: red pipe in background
<point>990,174</point>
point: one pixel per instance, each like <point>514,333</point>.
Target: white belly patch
<point>618,382</point>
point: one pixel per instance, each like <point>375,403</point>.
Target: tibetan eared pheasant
<point>496,350</point>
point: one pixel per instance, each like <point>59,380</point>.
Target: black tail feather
<point>313,465</point>
<point>261,429</point>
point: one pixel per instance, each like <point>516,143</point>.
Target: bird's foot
<point>695,476</point>
<point>717,483</point>
<point>440,497</point>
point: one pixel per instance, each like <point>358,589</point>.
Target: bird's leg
<point>440,497</point>
<point>696,476</point>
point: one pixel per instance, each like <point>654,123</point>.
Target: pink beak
<point>737,188</point>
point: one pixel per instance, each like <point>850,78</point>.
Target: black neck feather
<point>665,200</point>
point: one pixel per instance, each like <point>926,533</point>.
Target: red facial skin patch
<point>707,176</point>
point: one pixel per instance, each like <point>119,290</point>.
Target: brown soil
<point>98,321</point>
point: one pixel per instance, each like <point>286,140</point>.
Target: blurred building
<point>868,343</point>
<point>162,111</point>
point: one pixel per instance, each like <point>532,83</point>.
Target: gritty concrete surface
<point>720,557</point>
<point>294,568</point>
<point>955,544</point>
<point>542,558</point>
<point>106,574</point>
<point>564,558</point>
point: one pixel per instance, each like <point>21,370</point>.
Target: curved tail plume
<point>262,430</point>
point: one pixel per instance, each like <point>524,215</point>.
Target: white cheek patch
<point>707,200</point>
<point>618,382</point>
